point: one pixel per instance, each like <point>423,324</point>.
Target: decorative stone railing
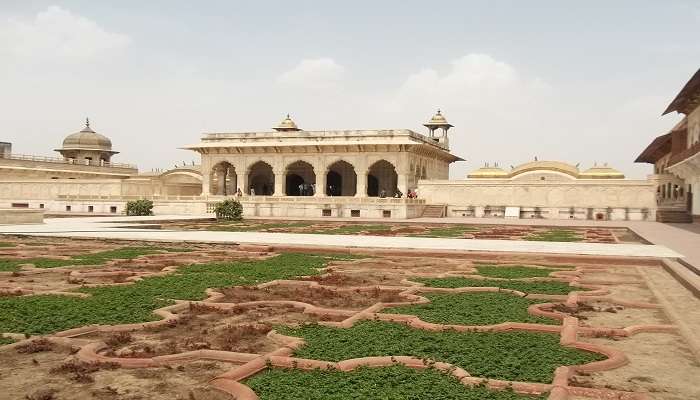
<point>58,160</point>
<point>126,197</point>
<point>322,199</point>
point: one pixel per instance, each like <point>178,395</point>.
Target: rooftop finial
<point>87,122</point>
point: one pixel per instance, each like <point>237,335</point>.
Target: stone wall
<point>21,216</point>
<point>270,206</point>
<point>575,199</point>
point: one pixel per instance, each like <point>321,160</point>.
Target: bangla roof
<point>688,98</point>
<point>595,172</point>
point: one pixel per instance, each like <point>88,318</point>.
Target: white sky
<point>572,81</point>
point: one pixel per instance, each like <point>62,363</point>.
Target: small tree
<point>229,209</point>
<point>139,207</point>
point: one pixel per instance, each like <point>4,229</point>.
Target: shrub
<point>229,209</point>
<point>139,207</point>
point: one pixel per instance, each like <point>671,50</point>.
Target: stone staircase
<point>434,211</point>
<point>673,216</point>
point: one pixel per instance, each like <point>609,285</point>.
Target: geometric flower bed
<point>126,253</point>
<point>469,308</point>
<point>135,303</point>
<point>253,324</point>
<point>396,382</point>
<point>511,356</point>
<point>463,231</point>
<point>552,287</point>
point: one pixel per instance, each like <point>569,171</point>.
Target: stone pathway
<point>113,228</point>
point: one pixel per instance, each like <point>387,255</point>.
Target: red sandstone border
<point>254,363</point>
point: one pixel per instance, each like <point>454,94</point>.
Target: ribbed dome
<point>87,139</point>
<point>287,125</point>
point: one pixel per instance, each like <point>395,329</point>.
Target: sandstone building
<point>676,159</point>
<point>290,172</point>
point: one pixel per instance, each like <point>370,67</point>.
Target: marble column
<point>220,182</point>
<point>244,182</point>
<point>361,185</point>
<point>321,184</point>
<point>402,184</point>
<point>279,182</point>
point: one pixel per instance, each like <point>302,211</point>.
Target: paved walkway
<point>682,238</point>
<point>112,228</point>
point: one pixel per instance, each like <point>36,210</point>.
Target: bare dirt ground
<point>611,315</point>
<point>56,374</point>
<point>242,330</point>
<point>661,364</point>
<point>318,296</point>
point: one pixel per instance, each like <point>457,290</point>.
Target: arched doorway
<point>300,179</point>
<point>261,179</point>
<point>341,179</point>
<point>372,186</point>
<point>382,179</point>
<point>223,179</point>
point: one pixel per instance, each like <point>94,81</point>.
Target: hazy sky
<point>573,81</point>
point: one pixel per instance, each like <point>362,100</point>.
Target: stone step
<point>434,211</point>
<point>673,216</point>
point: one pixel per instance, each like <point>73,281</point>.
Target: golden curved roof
<point>488,172</point>
<point>603,172</point>
<point>595,172</point>
<point>87,139</point>
<point>287,125</point>
<point>556,166</point>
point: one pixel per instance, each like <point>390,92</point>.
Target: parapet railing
<point>321,199</point>
<point>58,160</point>
<point>126,197</point>
<point>253,199</point>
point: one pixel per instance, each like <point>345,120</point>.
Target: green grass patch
<point>6,340</point>
<point>125,253</point>
<point>241,226</point>
<point>515,271</point>
<point>7,244</point>
<point>478,308</point>
<point>456,231</point>
<point>135,303</point>
<point>353,229</point>
<point>519,356</point>
<point>365,383</point>
<point>526,287</point>
<point>555,235</point>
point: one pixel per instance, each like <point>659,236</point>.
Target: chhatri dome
<point>287,125</point>
<point>488,172</point>
<point>604,172</point>
<point>87,144</point>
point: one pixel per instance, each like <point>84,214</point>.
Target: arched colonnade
<point>301,178</point>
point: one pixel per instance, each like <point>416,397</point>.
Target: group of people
<point>412,194</point>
